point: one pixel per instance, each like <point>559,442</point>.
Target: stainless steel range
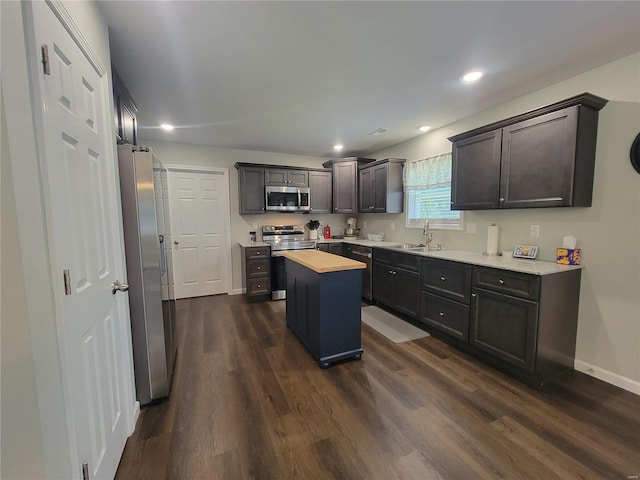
<point>283,238</point>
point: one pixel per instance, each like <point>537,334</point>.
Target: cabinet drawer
<point>259,268</point>
<point>383,256</point>
<point>445,315</point>
<point>407,261</point>
<point>513,283</point>
<point>448,279</point>
<point>258,286</point>
<point>253,253</point>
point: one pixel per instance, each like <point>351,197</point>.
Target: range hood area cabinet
<point>380,186</point>
<point>253,177</point>
<point>286,177</point>
<point>542,158</point>
<point>345,182</point>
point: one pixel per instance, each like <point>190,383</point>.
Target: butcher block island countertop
<point>322,262</point>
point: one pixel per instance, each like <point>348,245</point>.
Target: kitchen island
<point>323,304</point>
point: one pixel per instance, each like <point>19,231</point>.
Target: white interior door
<point>78,165</point>
<point>200,231</point>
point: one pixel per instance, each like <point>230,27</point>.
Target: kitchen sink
<point>409,246</point>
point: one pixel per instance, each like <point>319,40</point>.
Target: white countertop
<point>535,267</point>
<point>253,244</point>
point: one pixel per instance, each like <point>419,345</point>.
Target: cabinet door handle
<point>391,272</point>
<point>502,199</point>
<point>474,295</point>
<point>259,268</point>
<point>443,278</point>
<point>442,314</point>
<point>501,281</point>
<point>259,286</point>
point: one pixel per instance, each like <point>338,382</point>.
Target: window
<point>427,187</point>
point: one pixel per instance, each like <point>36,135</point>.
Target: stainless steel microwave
<point>287,199</point>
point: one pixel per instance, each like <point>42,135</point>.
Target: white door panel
<point>80,186</point>
<point>200,225</point>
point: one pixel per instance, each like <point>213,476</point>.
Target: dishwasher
<point>362,254</point>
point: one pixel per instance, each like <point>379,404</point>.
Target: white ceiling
<point>298,77</point>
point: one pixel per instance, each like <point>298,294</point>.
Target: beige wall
<point>608,232</point>
<point>172,154</point>
<point>20,419</point>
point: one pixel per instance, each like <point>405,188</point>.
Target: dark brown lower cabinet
<point>256,270</point>
<point>397,288</point>
<point>505,327</point>
<point>524,323</point>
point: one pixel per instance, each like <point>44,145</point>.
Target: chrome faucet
<point>428,235</point>
<point>428,238</point>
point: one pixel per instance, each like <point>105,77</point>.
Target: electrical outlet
<point>534,231</point>
<point>471,227</point>
<point>255,226</point>
<point>393,225</point>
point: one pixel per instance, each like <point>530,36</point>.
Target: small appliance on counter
<point>351,232</point>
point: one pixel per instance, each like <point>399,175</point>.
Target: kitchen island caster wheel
<point>358,357</point>
<point>323,365</point>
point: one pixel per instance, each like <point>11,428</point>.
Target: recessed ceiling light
<point>167,127</point>
<point>338,147</point>
<point>424,128</point>
<point>472,76</point>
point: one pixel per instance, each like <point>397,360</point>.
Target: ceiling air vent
<point>377,132</point>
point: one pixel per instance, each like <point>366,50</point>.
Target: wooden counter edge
<point>323,262</point>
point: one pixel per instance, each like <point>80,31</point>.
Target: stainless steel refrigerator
<point>145,215</point>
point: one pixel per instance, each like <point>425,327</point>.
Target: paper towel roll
<point>492,240</point>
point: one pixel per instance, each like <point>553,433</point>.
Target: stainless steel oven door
<point>287,199</point>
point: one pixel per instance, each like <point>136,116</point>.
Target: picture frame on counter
<point>525,251</point>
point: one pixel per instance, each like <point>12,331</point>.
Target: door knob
<point>176,242</point>
<point>119,287</point>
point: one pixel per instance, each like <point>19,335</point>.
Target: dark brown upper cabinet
<point>542,158</point>
<point>250,188</point>
<point>380,186</point>
<point>286,177</point>
<point>320,187</point>
<point>345,183</point>
<point>125,111</point>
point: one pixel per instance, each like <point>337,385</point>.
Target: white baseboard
<point>607,376</point>
<point>237,291</point>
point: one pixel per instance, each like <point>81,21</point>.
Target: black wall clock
<point>635,153</point>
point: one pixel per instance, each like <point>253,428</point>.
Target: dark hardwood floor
<point>248,401</point>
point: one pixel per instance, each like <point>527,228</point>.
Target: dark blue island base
<point>323,310</point>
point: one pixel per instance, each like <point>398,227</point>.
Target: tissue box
<point>568,256</point>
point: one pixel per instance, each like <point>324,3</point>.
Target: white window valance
<point>431,172</point>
